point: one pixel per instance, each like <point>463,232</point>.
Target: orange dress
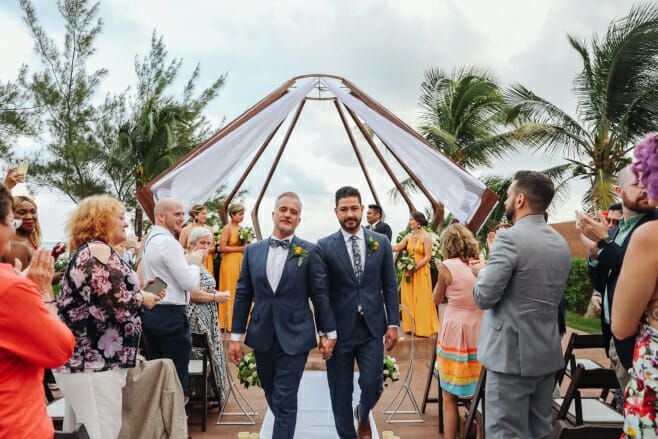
<point>229,272</point>
<point>416,295</point>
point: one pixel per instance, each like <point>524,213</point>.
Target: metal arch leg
<point>405,389</point>
<point>234,390</point>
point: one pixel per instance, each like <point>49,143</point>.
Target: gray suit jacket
<point>521,289</point>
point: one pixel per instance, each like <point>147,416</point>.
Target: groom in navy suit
<point>354,267</point>
<point>275,275</point>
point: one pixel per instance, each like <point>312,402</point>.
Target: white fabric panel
<point>459,191</point>
<point>315,419</point>
<point>197,180</point>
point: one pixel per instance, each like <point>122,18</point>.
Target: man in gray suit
<point>520,289</point>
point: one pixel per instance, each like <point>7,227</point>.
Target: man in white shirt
<point>166,326</point>
<point>275,276</point>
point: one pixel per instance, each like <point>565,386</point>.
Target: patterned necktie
<point>356,255</point>
<point>279,243</point>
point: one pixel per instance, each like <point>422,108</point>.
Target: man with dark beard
<point>355,269</point>
<point>606,250</point>
<point>520,290</point>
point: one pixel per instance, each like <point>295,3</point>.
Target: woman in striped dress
<point>456,350</point>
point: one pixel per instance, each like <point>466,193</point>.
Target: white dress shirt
<point>276,260</point>
<point>372,226</point>
<point>163,257</point>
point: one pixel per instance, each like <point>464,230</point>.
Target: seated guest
<point>374,216</point>
<point>31,337</point>
<point>635,304</point>
<point>202,310</point>
<point>199,214</point>
<point>416,287</point>
<point>456,344</point>
<point>28,235</point>
<point>101,303</point>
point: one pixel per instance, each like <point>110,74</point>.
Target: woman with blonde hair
<point>101,302</point>
<point>199,214</point>
<point>232,250</point>
<point>28,235</point>
<point>416,288</point>
<point>456,343</point>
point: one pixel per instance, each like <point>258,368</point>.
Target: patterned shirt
<point>98,303</point>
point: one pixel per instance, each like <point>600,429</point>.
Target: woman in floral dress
<point>101,303</point>
<point>636,305</point>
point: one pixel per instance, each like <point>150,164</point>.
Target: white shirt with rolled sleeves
<point>163,257</point>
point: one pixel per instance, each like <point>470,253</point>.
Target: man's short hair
<point>615,206</point>
<point>346,192</point>
<point>289,195</point>
<point>377,208</point>
<point>537,188</point>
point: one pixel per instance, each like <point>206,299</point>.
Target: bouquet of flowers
<point>391,370</point>
<point>217,230</point>
<point>247,373</point>
<point>406,263</point>
<point>246,235</point>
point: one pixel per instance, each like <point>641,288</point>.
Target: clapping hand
<point>490,239</point>
<point>41,271</point>
<point>195,257</point>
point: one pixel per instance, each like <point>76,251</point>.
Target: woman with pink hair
<point>635,306</point>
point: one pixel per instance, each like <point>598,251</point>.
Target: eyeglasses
<point>16,223</point>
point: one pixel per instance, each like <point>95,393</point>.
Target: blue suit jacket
<point>287,313</point>
<point>332,275</point>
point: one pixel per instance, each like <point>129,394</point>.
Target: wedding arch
<point>199,174</point>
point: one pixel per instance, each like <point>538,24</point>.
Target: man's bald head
<point>169,214</point>
<point>625,176</point>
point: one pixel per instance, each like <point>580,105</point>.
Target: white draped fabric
<point>459,191</point>
<point>196,180</point>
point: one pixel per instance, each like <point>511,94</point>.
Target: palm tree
<point>147,145</point>
<point>617,94</point>
<point>462,116</point>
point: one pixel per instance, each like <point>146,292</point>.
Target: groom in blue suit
<point>354,267</point>
<point>275,275</point>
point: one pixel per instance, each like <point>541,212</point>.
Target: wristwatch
<point>603,243</point>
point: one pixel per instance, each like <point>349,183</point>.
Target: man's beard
<point>641,205</point>
<point>357,222</point>
<point>509,213</point>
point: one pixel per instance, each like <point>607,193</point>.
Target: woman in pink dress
<point>456,349</point>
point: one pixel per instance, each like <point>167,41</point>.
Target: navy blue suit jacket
<point>605,274</point>
<point>285,312</point>
<point>332,275</point>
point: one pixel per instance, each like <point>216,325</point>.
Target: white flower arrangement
<point>247,373</point>
<point>391,370</point>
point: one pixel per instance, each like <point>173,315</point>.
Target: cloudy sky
<point>383,46</point>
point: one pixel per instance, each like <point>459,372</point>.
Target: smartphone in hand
<point>21,168</point>
<point>156,286</point>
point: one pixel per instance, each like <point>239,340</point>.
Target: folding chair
<point>580,341</point>
<point>79,432</point>
<point>56,407</point>
<point>476,407</point>
<point>564,430</point>
<point>198,370</point>
<point>578,410</point>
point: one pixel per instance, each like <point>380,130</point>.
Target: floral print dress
<point>640,397</point>
<point>98,303</point>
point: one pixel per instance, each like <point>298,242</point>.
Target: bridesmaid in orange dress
<point>416,294</point>
<point>199,214</point>
<point>229,271</point>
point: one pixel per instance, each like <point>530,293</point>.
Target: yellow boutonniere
<point>374,245</point>
<point>299,253</point>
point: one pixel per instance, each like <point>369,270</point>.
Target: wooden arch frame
<point>488,199</point>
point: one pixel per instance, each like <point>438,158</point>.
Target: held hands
<point>391,338</point>
<point>326,347</point>
<point>234,352</point>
